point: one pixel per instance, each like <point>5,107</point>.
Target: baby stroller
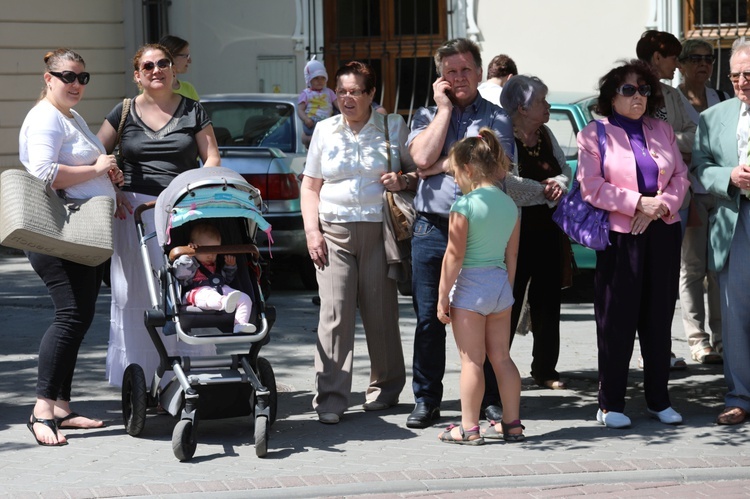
<point>203,387</point>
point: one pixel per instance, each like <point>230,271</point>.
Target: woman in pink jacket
<point>643,184</point>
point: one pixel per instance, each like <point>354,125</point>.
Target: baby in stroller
<point>203,279</point>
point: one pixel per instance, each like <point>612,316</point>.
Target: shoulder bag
<point>117,150</point>
<point>583,223</point>
<point>34,218</point>
<point>400,204</point>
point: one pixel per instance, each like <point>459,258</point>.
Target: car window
<point>562,124</point>
<point>253,124</point>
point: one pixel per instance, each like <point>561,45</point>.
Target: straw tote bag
<point>34,218</point>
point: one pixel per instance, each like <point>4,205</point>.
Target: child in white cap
<point>316,101</point>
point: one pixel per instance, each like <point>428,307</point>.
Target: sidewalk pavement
<point>566,454</point>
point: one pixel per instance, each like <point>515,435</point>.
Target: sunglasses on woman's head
<point>69,77</point>
<point>161,64</point>
<point>629,90</point>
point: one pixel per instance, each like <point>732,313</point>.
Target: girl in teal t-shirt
<point>476,286</point>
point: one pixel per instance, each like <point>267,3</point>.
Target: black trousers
<point>73,288</point>
<point>540,267</point>
<point>636,283</point>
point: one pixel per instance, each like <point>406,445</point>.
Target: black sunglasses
<point>628,90</point>
<point>696,58</point>
<point>70,77</point>
<point>161,64</point>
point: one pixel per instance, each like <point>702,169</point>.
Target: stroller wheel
<point>261,436</point>
<point>134,399</point>
<point>183,440</point>
<point>267,377</point>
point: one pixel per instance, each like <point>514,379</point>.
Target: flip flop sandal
<point>49,423</point>
<point>468,437</point>
<point>73,415</point>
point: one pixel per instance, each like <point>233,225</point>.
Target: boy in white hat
<point>316,102</point>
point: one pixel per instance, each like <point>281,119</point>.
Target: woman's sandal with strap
<point>513,437</point>
<point>49,423</point>
<point>492,432</point>
<point>468,437</point>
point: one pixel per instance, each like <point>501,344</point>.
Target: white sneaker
<point>667,416</point>
<point>612,419</point>
<point>244,328</point>
<point>230,301</point>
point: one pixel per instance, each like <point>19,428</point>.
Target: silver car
<point>259,137</point>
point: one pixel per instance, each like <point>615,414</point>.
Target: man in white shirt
<point>500,69</point>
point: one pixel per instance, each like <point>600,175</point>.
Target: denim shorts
<point>484,290</point>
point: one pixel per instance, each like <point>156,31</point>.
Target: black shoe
<point>493,412</point>
<point>423,415</point>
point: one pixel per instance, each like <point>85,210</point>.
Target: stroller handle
<point>149,205</point>
<point>251,249</point>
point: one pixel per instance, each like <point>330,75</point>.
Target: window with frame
<point>397,38</point>
<point>719,22</point>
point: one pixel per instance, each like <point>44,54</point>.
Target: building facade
<point>260,46</point>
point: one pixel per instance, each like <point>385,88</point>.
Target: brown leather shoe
<point>731,415</point>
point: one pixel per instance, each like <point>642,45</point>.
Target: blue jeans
<point>428,246</point>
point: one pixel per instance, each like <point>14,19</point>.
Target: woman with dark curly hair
<point>641,180</point>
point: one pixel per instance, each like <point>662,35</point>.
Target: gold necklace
<point>533,151</point>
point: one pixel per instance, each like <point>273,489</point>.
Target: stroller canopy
<point>212,192</point>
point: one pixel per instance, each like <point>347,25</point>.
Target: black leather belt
<point>436,220</point>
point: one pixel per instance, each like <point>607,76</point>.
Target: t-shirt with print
<point>318,103</point>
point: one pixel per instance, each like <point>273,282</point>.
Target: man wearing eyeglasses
<point>720,162</point>
<point>460,112</point>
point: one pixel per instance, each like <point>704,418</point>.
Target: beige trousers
<point>696,317</point>
<point>356,276</point>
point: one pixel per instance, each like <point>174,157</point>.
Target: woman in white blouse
<point>55,144</point>
<point>342,207</point>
